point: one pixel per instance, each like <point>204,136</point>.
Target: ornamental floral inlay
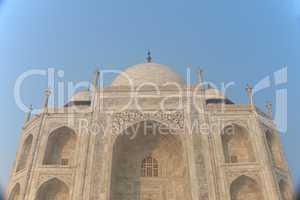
<point>123,120</point>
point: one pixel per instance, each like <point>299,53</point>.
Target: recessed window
<point>149,167</point>
<point>64,161</point>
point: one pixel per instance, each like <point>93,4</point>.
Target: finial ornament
<point>47,95</point>
<point>28,114</point>
<point>201,80</point>
<point>200,76</point>
<point>269,108</point>
<point>149,57</point>
<point>249,90</point>
<point>209,86</point>
<point>96,78</point>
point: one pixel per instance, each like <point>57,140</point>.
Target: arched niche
<point>15,193</point>
<point>24,154</point>
<point>237,145</point>
<point>274,148</point>
<point>284,190</point>
<point>60,147</point>
<point>53,189</point>
<point>149,145</point>
<point>245,188</point>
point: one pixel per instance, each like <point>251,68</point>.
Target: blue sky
<point>240,41</point>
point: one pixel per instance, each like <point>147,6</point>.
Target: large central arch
<point>149,163</point>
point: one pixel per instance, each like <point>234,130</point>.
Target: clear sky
<point>240,41</point>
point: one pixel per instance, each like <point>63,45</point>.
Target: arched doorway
<point>15,193</point>
<point>149,163</point>
<point>237,146</point>
<point>284,190</point>
<point>60,148</point>
<point>245,188</point>
<point>53,189</point>
<point>274,147</point>
<point>26,148</point>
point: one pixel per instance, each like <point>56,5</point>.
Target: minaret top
<point>149,57</point>
<point>47,95</point>
<point>96,78</point>
<point>200,76</point>
<point>249,90</point>
<point>269,108</point>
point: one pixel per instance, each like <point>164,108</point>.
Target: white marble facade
<point>145,138</point>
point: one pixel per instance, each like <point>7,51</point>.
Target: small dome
<point>81,96</point>
<point>144,73</point>
<point>215,96</point>
<point>213,93</point>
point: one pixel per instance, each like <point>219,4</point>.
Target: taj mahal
<point>150,136</point>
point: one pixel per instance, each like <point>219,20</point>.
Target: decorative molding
<point>53,126</point>
<point>123,120</point>
<point>66,178</point>
<point>239,122</point>
<point>234,174</point>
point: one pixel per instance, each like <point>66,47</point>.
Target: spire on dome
<point>149,57</point>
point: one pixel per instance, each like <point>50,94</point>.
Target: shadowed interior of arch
<point>53,189</point>
<point>15,193</point>
<point>60,147</point>
<point>245,188</point>
<point>284,190</point>
<point>161,154</point>
<point>26,148</point>
<point>274,147</point>
<point>237,146</point>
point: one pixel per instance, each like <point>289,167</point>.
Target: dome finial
<point>149,58</point>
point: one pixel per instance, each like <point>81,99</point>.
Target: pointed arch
<point>53,189</point>
<point>284,190</point>
<point>142,153</point>
<point>25,152</point>
<point>60,147</point>
<point>237,146</point>
<point>274,148</point>
<point>245,188</point>
<point>15,193</point>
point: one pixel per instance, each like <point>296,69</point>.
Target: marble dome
<point>151,73</point>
